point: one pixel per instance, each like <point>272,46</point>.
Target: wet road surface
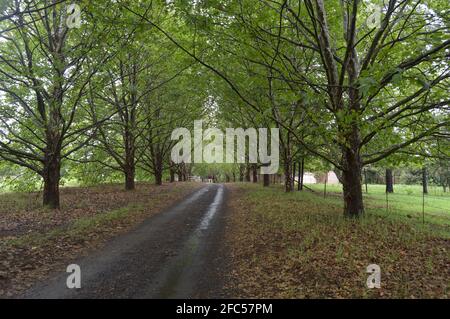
<point>174,254</point>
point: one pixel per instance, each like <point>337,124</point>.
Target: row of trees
<point>107,94</point>
<point>344,91</point>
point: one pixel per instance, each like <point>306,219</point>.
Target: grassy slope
<point>298,245</point>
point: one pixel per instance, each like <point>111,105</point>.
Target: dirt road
<point>175,254</point>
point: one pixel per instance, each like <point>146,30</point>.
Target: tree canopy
<point>349,83</point>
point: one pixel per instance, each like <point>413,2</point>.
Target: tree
<point>44,72</point>
<point>124,88</point>
<point>176,104</point>
<point>363,99</point>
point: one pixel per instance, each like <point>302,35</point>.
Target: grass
<point>80,227</point>
<point>298,245</point>
<point>84,210</point>
<point>406,201</point>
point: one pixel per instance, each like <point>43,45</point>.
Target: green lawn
<point>405,202</point>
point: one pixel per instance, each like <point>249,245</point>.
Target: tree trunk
<point>302,174</point>
<point>288,184</point>
<point>158,177</point>
<point>51,177</point>
<point>424,180</point>
<point>247,173</point>
<point>129,179</point>
<point>389,181</point>
<point>129,157</point>
<point>172,175</point>
<point>158,171</point>
<point>352,168</point>
<point>266,180</point>
<point>183,172</point>
<point>351,178</point>
<point>294,168</point>
<point>255,174</point>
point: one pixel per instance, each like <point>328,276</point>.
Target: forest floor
<point>298,245</point>
<point>35,241</point>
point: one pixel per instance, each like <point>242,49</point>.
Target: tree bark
<point>129,170</point>
<point>351,178</point>
<point>129,160</point>
<point>255,174</point>
<point>294,168</point>
<point>266,180</point>
<point>424,180</point>
<point>389,181</point>
<point>129,178</point>
<point>51,176</point>
<point>288,184</point>
<point>158,177</point>
<point>247,173</point>
<point>158,171</point>
<point>183,172</point>
<point>302,174</point>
